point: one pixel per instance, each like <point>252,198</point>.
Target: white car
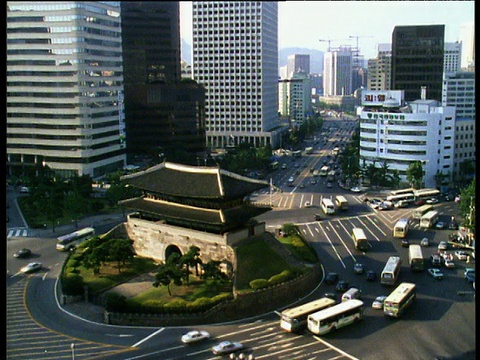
<point>432,201</point>
<point>425,242</point>
<point>194,336</point>
<point>355,189</point>
<point>461,255</point>
<point>443,245</point>
<point>226,347</point>
<point>378,302</point>
<point>308,204</point>
<point>31,267</point>
<point>449,264</point>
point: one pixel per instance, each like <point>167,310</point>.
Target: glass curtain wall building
<point>64,88</point>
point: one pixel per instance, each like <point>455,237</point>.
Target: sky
<point>304,23</point>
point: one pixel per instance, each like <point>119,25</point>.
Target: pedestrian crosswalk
<point>17,232</point>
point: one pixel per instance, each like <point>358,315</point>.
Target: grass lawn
<point>256,260</point>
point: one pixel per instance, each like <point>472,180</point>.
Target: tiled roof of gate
<point>193,181</point>
<point>235,215</point>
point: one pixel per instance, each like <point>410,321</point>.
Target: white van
<point>352,293</point>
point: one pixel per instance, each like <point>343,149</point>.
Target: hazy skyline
<point>303,23</point>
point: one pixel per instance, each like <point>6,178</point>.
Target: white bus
<point>425,193</point>
<point>409,197</point>
<point>327,206</point>
<point>295,319</point>
<point>415,257</point>
<point>402,191</point>
<point>360,239</point>
<point>70,241</point>
<point>422,210</point>
<point>324,170</point>
<point>400,229</point>
<point>335,317</point>
<point>429,219</point>
<point>399,300</point>
<point>341,202</point>
<point>391,270</point>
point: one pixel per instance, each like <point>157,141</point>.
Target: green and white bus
<point>71,241</point>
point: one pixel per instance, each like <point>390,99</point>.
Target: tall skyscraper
<point>164,115</point>
<point>235,57</point>
<point>64,87</point>
<point>297,63</point>
<point>337,72</point>
<point>417,60</point>
<point>467,38</point>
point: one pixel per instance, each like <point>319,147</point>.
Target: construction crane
<point>357,37</point>
<point>330,40</point>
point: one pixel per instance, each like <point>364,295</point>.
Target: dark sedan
<point>23,253</point>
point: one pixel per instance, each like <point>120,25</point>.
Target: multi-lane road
<point>441,323</point>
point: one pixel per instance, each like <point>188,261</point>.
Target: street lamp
<point>72,346</point>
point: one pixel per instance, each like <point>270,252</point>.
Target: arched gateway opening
<point>171,249</point>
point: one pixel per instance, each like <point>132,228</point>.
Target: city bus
<point>402,191</point>
<point>391,271</point>
<point>335,317</point>
<point>409,197</point>
<point>295,319</point>
<point>400,229</point>
<point>324,170</point>
<point>422,210</point>
<point>399,300</point>
<point>429,219</point>
<point>70,241</point>
<point>425,193</point>
<point>341,202</point>
<point>360,239</point>
<point>327,206</point>
<point>415,257</point>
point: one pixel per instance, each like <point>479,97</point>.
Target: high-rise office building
<point>467,38</point>
<point>337,72</point>
<point>452,57</point>
<point>379,69</point>
<point>417,60</point>
<point>295,100</point>
<point>298,63</point>
<point>163,114</point>
<point>64,88</point>
<point>235,57</point>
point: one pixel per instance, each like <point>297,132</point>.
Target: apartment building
<point>295,100</point>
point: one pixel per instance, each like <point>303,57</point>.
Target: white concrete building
<point>400,135</point>
<point>235,57</point>
<point>459,91</point>
<point>65,87</point>
<point>337,72</point>
<point>295,100</point>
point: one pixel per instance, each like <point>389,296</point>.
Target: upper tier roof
<point>193,182</point>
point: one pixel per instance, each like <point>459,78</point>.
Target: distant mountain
<point>316,56</point>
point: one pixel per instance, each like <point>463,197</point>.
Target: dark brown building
<point>417,60</point>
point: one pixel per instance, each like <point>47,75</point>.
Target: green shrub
<point>259,283</point>
<point>72,285</point>
<point>200,302</point>
<point>177,305</point>
<point>282,277</point>
<point>116,302</point>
